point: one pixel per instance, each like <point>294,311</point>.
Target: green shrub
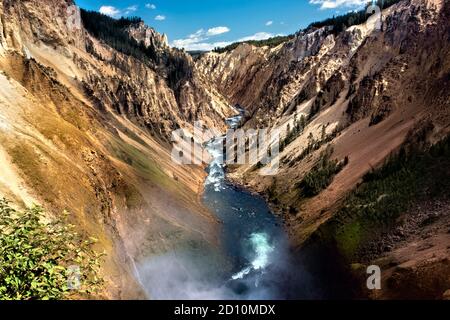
<point>294,133</point>
<point>36,257</point>
<point>321,176</point>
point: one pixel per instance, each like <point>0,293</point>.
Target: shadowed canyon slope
<point>86,128</point>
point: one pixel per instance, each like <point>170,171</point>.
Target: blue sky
<point>204,24</point>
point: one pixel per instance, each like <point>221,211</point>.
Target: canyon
<point>86,128</point>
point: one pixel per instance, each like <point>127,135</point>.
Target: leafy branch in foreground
<point>37,257</point>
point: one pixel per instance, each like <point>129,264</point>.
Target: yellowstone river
<point>253,261</point>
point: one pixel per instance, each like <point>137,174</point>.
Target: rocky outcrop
<point>148,36</point>
<point>286,76</point>
<point>182,96</point>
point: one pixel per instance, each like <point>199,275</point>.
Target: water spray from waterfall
<point>261,251</point>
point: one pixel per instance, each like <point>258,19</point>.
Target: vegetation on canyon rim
<point>336,25</point>
<point>385,193</point>
<point>35,256</point>
<point>271,42</point>
<point>342,22</point>
<point>114,33</point>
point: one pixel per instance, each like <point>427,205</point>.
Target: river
<point>254,260</point>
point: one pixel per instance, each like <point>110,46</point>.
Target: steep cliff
<point>86,128</point>
<point>363,84</point>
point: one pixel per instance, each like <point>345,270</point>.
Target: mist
<point>208,275</point>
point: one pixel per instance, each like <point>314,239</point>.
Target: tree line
<point>113,33</point>
<point>337,24</point>
<point>342,22</point>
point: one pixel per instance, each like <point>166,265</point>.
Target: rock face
<point>148,36</point>
<point>85,128</point>
<point>265,80</point>
<point>349,87</point>
<point>271,83</point>
<point>186,97</point>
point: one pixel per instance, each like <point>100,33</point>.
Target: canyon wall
<point>352,98</point>
<point>86,129</point>
<point>362,91</point>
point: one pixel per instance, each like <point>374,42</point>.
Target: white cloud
<point>150,6</point>
<point>131,9</point>
<point>200,40</point>
<point>109,11</point>
<point>199,33</point>
<point>217,30</point>
<point>333,4</point>
<point>257,36</point>
<point>191,40</point>
<point>203,46</point>
<point>269,23</point>
<point>160,17</point>
<point>114,12</point>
